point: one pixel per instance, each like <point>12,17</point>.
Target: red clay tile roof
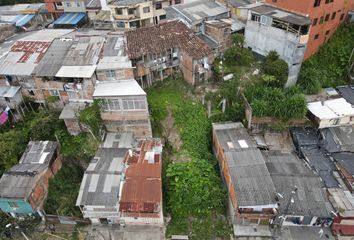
<point>165,36</point>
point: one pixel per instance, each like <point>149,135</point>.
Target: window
<point>178,1</point>
<point>119,11</point>
<point>274,1</point>
<point>317,3</point>
<point>317,36</point>
<point>54,92</point>
<point>333,15</point>
<point>133,104</point>
<point>78,4</point>
<point>146,9</point>
<point>120,24</point>
<point>158,5</point>
<point>59,4</point>
<point>327,32</point>
<point>162,17</point>
<point>341,16</point>
<point>321,20</point>
<point>131,11</point>
<point>68,4</point>
<point>327,18</point>
<point>329,1</point>
<point>110,74</point>
<point>255,17</point>
<point>314,22</point>
<point>13,204</point>
<point>113,104</point>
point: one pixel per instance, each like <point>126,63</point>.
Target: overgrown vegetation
<point>195,197</point>
<point>91,117</point>
<point>327,68</point>
<point>63,191</point>
<point>237,55</point>
<point>284,104</point>
<point>275,70</point>
<point>39,125</point>
<point>11,228</point>
<point>44,124</point>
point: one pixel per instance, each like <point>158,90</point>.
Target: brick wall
<point>221,34</point>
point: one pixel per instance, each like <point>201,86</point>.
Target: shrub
<point>276,67</point>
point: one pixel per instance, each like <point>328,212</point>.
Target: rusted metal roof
<point>32,50</point>
<point>142,188</point>
<point>164,36</point>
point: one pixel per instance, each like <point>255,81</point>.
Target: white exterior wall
<point>75,6</point>
<point>263,39</point>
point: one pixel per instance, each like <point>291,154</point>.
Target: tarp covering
<point>22,19</point>
<point>3,117</point>
<point>69,18</point>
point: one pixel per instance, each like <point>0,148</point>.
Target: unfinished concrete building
<point>161,50</point>
<point>269,28</point>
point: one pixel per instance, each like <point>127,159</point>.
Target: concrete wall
<point>306,7</point>
<point>120,74</point>
<point>136,121</point>
<point>263,39</point>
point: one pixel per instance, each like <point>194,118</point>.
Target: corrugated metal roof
<point>8,91</point>
<point>101,182</point>
<point>69,18</point>
<point>246,164</point>
<point>53,58</point>
<point>331,109</point>
<point>287,171</point>
<point>347,92</point>
<point>84,51</point>
<point>200,10</point>
<point>338,139</point>
<point>142,188</point>
<point>118,88</point>
<point>19,180</point>
<point>114,54</point>
<point>281,14</point>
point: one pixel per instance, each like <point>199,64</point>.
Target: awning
<point>22,19</point>
<point>69,19</point>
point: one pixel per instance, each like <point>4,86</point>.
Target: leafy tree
<point>43,125</point>
<point>91,117</point>
<point>276,67</point>
<point>238,40</point>
<point>238,56</point>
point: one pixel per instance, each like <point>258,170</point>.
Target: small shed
<point>334,112</point>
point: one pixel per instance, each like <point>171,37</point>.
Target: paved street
<point>126,233</point>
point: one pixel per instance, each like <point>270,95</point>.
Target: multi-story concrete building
<point>269,28</point>
<point>326,16</point>
<point>132,13</point>
<point>124,107</point>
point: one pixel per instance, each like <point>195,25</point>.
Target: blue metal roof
<point>22,19</point>
<point>69,18</point>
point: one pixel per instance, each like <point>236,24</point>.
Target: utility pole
<point>286,209</point>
